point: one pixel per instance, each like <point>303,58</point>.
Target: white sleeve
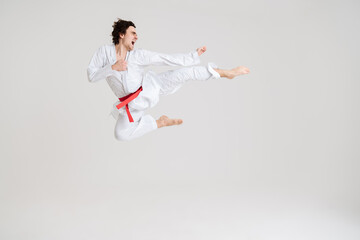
<point>145,57</point>
<point>98,68</point>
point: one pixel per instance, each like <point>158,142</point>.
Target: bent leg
<point>125,130</point>
<point>164,121</point>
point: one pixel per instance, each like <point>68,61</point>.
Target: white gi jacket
<point>125,82</point>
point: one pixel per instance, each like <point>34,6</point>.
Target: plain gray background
<point>271,155</point>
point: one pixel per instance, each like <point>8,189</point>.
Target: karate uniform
<point>123,83</point>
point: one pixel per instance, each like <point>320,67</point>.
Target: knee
<point>121,136</point>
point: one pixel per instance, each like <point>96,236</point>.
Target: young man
<point>123,68</point>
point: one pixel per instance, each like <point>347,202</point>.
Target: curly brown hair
<point>120,26</point>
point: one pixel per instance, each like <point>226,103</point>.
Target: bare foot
<point>233,72</point>
<point>238,71</point>
<point>164,121</point>
<point>201,50</point>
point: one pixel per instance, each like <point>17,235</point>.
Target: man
<point>123,68</point>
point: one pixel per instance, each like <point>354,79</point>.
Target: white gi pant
<point>169,82</point>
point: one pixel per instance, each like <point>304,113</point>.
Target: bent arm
<point>98,68</point>
<point>146,57</point>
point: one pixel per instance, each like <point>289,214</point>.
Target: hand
<point>201,50</point>
<point>120,65</point>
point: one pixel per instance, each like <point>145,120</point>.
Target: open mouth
<point>133,43</point>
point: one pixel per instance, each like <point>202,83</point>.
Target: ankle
<point>159,123</point>
<point>221,72</point>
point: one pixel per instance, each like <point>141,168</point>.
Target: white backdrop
<point>271,155</point>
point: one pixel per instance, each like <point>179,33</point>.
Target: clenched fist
<point>201,50</point>
<point>120,65</point>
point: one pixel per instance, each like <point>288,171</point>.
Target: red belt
<point>125,101</point>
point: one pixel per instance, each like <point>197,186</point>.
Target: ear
<point>121,35</point>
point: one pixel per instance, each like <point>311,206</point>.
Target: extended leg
<point>171,81</point>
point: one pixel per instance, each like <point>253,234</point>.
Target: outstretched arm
<point>145,57</point>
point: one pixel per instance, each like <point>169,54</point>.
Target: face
<point>129,39</point>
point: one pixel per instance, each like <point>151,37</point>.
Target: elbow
<point>90,77</point>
